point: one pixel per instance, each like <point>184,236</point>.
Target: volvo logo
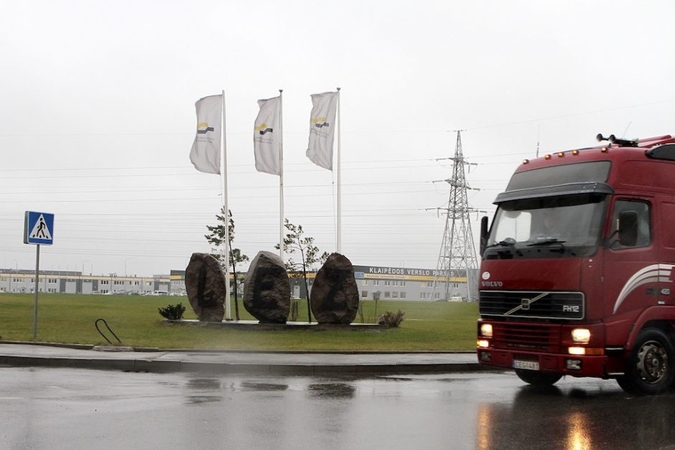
<point>525,303</point>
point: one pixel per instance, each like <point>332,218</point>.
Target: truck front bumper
<point>600,366</point>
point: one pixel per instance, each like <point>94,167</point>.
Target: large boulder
<point>335,295</point>
<point>205,285</point>
<point>267,291</point>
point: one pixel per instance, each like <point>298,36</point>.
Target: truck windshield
<point>571,225</point>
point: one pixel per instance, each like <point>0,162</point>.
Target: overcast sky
<point>97,115</point>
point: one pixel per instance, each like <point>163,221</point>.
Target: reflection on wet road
<point>62,408</point>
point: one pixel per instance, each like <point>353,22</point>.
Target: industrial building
<point>71,282</point>
<point>383,283</point>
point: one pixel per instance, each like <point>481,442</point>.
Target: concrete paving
<point>230,362</point>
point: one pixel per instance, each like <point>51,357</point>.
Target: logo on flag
<point>267,143</point>
<point>204,128</point>
<point>321,133</point>
<point>263,128</point>
<point>205,153</point>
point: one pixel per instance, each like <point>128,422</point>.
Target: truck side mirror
<point>483,234</point>
<point>628,228</point>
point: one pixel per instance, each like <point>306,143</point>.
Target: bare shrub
<point>392,319</point>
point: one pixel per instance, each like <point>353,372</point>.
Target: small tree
<point>172,312</point>
<point>217,238</point>
<point>295,241</point>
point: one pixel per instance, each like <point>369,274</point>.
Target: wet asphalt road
<point>45,408</point>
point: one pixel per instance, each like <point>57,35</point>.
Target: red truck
<point>576,273</point>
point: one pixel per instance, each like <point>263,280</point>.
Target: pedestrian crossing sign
<point>38,228</point>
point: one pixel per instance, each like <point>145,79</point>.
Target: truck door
<point>667,252</point>
<point>631,270</point>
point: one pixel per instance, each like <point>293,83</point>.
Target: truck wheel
<point>538,378</point>
<point>650,367</point>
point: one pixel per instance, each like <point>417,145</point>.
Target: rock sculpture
<point>335,295</point>
<point>205,285</point>
<point>267,291</point>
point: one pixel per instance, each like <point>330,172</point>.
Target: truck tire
<point>538,378</point>
<point>650,368</point>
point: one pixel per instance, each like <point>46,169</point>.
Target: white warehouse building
<point>384,283</point>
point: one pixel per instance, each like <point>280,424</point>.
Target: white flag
<point>205,153</point>
<point>322,129</point>
<point>267,137</point>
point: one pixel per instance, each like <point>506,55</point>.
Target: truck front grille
<point>533,304</point>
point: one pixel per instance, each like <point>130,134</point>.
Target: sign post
<point>38,229</point>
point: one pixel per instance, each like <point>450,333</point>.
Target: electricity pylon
<point>457,258</point>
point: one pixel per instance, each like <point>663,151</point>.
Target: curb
<point>222,368</point>
<point>300,363</point>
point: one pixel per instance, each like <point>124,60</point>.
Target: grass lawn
<point>65,318</point>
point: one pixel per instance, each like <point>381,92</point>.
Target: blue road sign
<point>38,228</point>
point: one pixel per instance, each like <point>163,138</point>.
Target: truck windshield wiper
<point>508,242</point>
<point>546,241</point>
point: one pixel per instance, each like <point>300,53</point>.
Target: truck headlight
<point>581,335</point>
<point>486,330</point>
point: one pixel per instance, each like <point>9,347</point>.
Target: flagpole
<point>281,175</point>
<point>228,313</point>
<point>339,178</point>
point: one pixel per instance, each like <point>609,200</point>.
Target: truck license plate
<point>527,365</point>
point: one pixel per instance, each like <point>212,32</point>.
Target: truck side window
<point>643,222</point>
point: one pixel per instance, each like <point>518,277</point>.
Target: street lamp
<point>81,277</point>
<point>125,275</point>
<point>125,266</point>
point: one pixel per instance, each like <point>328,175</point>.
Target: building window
<point>376,282</point>
<point>364,282</point>
<point>395,294</point>
<point>387,294</point>
<point>402,294</point>
<point>423,295</point>
<point>52,281</point>
<point>364,294</point>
